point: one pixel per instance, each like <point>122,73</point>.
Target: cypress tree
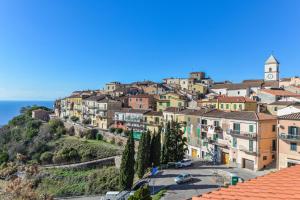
<point>148,150</point>
<point>127,164</point>
<point>141,156</point>
<point>156,148</point>
<point>166,144</point>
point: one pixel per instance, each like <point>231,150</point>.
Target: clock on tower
<point>271,69</point>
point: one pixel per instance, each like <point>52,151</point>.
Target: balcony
<point>194,142</point>
<point>242,134</point>
<point>247,150</point>
<point>289,137</point>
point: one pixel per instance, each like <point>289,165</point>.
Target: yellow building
<point>153,121</point>
<point>75,105</point>
<point>199,88</point>
<point>170,100</point>
<point>230,103</point>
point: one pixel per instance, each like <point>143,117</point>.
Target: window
<point>251,145</point>
<point>293,130</point>
<point>216,123</point>
<point>179,104</point>
<point>234,106</point>
<point>168,104</point>
<point>238,92</point>
<point>236,127</point>
<point>222,106</point>
<point>141,106</point>
<point>234,142</point>
<point>227,106</point>
<point>274,128</point>
<point>293,146</point>
<point>141,99</point>
<point>275,108</point>
<point>136,99</point>
<point>251,128</point>
<point>204,121</point>
<point>270,69</point>
<point>160,103</point>
<point>265,157</point>
<point>273,145</point>
<point>189,119</point>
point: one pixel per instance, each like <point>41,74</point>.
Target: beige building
<point>288,140</point>
<point>153,121</point>
<point>273,108</point>
<point>241,139</point>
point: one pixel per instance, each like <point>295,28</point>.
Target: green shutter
<point>251,128</point>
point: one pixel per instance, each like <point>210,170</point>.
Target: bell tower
<point>271,69</point>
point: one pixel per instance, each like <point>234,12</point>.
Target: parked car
<point>183,178</point>
<point>171,165</point>
<point>183,163</point>
<point>139,184</point>
<point>111,195</point>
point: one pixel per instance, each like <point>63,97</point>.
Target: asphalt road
<point>204,180</point>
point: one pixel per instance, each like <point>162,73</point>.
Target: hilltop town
<point>237,121</point>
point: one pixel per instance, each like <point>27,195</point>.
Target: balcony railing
<point>247,150</point>
<point>194,142</point>
<point>242,134</point>
<point>289,137</point>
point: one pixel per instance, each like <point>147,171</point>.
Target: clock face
<point>270,76</point>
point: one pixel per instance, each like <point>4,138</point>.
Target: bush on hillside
<point>71,131</point>
<point>46,157</point>
<point>112,129</point>
<point>99,136</point>
<point>3,157</point>
<point>74,118</point>
<point>87,121</point>
<point>91,134</point>
<point>119,130</point>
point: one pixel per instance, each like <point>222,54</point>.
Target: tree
<point>148,149</point>
<point>174,144</point>
<point>127,164</point>
<point>155,149</point>
<point>141,194</point>
<point>74,118</point>
<point>142,156</point>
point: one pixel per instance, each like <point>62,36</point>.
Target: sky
<point>49,48</point>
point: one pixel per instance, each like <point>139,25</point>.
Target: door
<point>248,164</point>
<point>225,158</point>
<point>194,153</point>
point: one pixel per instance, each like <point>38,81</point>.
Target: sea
<point>10,109</point>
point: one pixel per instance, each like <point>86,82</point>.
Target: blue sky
<point>50,48</point>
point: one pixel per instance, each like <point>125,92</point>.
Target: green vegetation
<point>155,148</point>
<point>74,118</point>
<point>37,142</point>
<point>127,165</point>
<point>174,146</point>
<point>159,195</point>
<point>143,155</point>
<point>142,193</point>
<point>66,182</point>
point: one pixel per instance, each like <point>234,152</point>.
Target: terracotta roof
<point>154,113</point>
<point>283,103</point>
<point>234,99</point>
<point>240,115</point>
<point>141,96</point>
<point>283,185</point>
<point>293,116</point>
<point>130,110</point>
<point>233,86</point>
<point>280,92</point>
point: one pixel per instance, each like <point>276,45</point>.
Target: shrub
<point>120,143</point>
<point>99,136</point>
<point>46,157</point>
<point>126,132</point>
<point>86,121</point>
<point>91,134</point>
<point>71,131</point>
<point>113,141</point>
<point>112,129</point>
<point>119,130</point>
<point>66,155</point>
<point>3,157</point>
<point>74,118</point>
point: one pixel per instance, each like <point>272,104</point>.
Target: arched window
<point>270,69</point>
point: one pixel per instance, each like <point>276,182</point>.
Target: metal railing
<point>289,137</point>
<point>242,134</point>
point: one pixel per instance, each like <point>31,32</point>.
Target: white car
<point>183,163</point>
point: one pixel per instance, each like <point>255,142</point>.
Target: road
<point>204,180</point>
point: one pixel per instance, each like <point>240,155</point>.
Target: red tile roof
<point>234,99</point>
<point>280,93</point>
<point>283,185</point>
